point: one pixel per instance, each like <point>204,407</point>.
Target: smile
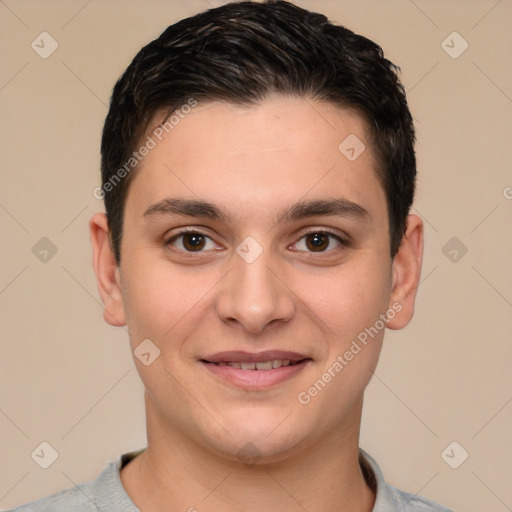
<point>256,371</point>
<point>265,366</point>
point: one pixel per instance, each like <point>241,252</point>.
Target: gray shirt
<point>107,494</point>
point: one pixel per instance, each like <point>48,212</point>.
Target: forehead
<point>258,157</point>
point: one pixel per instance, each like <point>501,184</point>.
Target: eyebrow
<point>302,209</point>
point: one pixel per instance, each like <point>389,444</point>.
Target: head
<point>262,119</point>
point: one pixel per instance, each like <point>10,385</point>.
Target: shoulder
<point>78,499</point>
<point>412,502</point>
<point>389,498</point>
<point>105,494</point>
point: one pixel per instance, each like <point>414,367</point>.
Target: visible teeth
<point>264,366</point>
<point>267,365</point>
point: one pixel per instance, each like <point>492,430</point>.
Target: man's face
<point>260,286</point>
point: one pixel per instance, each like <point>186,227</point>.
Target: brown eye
<point>191,241</point>
<point>320,241</point>
<point>317,241</point>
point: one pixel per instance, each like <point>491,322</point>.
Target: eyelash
<point>343,243</point>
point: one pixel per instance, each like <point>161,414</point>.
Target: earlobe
<point>406,273</point>
<point>107,272</point>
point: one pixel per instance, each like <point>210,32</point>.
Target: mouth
<point>257,370</point>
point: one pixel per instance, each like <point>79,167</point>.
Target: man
<point>258,169</point>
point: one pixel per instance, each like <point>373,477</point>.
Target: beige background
<point>68,378</point>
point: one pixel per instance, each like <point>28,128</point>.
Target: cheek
<point>351,305</point>
<point>352,351</point>
<point>162,300</point>
<point>348,299</point>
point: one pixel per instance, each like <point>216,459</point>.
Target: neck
<point>175,473</point>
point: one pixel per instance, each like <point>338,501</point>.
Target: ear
<point>406,273</point>
<point>107,272</point>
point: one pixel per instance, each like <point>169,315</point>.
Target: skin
<point>254,162</point>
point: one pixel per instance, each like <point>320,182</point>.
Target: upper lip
<point>260,357</point>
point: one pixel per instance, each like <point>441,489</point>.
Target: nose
<point>255,295</point>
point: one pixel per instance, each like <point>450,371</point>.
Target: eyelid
<point>185,231</point>
<point>343,237</point>
<point>343,240</point>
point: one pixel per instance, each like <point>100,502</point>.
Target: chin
<point>252,452</point>
<point>259,439</point>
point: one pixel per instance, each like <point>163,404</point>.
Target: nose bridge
<point>253,293</point>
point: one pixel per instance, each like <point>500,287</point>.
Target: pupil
<point>195,239</point>
<point>318,240</point>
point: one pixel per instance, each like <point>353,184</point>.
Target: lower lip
<point>256,379</point>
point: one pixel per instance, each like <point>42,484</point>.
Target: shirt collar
<point>384,499</point>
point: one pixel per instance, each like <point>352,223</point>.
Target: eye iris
<point>316,241</point>
<point>197,241</point>
<point>319,240</point>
